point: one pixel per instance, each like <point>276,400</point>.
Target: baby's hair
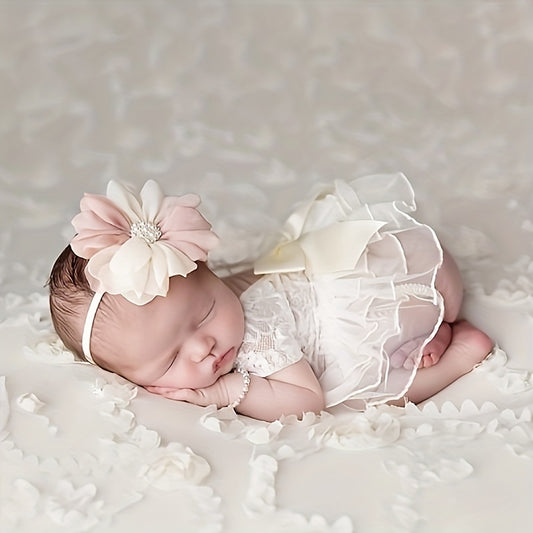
<point>70,295</point>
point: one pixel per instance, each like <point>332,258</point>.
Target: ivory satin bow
<point>335,247</point>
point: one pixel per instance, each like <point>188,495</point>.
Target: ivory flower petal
<point>134,244</point>
<point>130,257</point>
<point>124,200</point>
<point>151,198</point>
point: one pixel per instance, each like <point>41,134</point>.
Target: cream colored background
<point>248,104</point>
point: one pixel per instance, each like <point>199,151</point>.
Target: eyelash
<point>207,315</point>
<point>172,363</point>
<point>199,325</point>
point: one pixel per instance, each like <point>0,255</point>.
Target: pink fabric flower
<point>136,244</point>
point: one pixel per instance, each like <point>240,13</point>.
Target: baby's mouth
<point>222,359</point>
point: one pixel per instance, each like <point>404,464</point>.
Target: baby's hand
<point>216,394</point>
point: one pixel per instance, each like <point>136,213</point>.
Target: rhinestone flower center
<point>145,230</point>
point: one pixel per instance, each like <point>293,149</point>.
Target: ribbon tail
<point>338,246</point>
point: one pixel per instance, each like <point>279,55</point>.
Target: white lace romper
<point>349,323</point>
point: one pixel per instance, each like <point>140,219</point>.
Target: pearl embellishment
<point>145,230</point>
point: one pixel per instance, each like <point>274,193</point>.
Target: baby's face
<point>187,339</point>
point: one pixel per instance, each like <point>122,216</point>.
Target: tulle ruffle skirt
<point>375,319</point>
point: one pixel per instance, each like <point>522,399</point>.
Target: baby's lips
<point>221,359</point>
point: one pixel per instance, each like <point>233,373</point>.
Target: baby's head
<point>186,339</point>
<point>70,297</point>
<point>132,292</point>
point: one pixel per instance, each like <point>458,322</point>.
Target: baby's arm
<point>293,390</point>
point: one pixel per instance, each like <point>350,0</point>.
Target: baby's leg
<point>468,347</point>
<point>450,285</point>
<point>407,353</point>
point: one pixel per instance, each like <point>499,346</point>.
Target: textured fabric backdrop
<point>249,104</point>
<point>246,102</point>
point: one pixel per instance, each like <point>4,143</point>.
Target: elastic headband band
<point>171,235</point>
<point>88,327</point>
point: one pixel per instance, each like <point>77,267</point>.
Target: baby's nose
<point>203,347</point>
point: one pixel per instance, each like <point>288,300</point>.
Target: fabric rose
<point>174,466</point>
<point>136,244</point>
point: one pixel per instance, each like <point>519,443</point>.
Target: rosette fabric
<point>135,244</point>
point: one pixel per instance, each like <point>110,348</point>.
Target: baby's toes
<point>428,360</point>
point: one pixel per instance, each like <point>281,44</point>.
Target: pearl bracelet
<point>246,385</point>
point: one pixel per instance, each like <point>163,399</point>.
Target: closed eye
<point>171,363</point>
<point>207,315</point>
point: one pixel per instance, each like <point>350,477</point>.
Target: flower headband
<point>135,244</point>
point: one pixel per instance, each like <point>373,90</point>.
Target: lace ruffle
<point>270,339</point>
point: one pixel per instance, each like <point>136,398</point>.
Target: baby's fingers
<point>184,395</point>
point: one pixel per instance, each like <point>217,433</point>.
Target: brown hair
<point>70,295</point>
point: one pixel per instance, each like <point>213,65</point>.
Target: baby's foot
<point>434,349</point>
<point>406,353</point>
<point>470,345</point>
<point>405,356</point>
